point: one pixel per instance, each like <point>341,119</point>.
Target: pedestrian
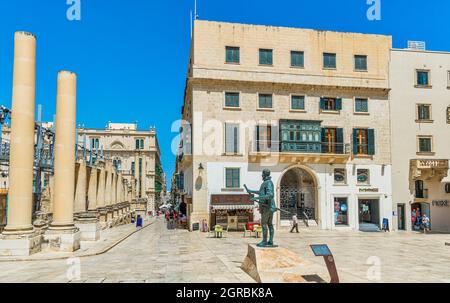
<point>425,223</point>
<point>294,224</point>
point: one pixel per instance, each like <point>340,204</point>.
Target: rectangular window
<point>95,143</point>
<point>265,101</point>
<point>361,105</point>
<point>231,99</point>
<point>364,142</point>
<point>424,112</point>
<point>448,115</point>
<point>341,212</point>
<point>297,59</point>
<point>363,176</point>
<point>298,102</point>
<point>425,145</point>
<point>448,79</point>
<point>360,63</point>
<point>265,57</point>
<point>140,167</point>
<point>423,78</point>
<point>330,104</point>
<point>232,54</point>
<point>231,138</point>
<point>232,178</point>
<point>266,138</point>
<point>332,140</point>
<point>329,61</point>
<point>139,143</point>
<point>133,168</point>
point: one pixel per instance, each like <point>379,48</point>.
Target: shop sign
<point>369,190</point>
<point>231,200</point>
<point>441,203</point>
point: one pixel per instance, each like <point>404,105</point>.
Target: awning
<point>233,207</point>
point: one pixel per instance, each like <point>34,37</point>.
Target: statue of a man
<point>267,207</point>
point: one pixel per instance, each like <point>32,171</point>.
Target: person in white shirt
<point>294,223</point>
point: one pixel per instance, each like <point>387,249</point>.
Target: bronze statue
<point>267,207</point>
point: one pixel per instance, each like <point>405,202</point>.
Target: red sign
<point>231,200</point>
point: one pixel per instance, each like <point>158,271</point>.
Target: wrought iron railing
<point>264,146</point>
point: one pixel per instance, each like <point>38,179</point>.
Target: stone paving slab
<point>158,255</point>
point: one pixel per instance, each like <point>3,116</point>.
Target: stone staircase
<point>369,227</point>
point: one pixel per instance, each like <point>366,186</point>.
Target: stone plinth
<point>63,240</point>
<point>278,265</point>
<point>89,226</point>
<point>20,245</point>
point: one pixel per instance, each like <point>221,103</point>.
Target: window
<point>361,105</point>
<point>265,101</point>
<point>232,54</point>
<point>360,63</point>
<point>363,176</point>
<point>364,142</point>
<point>140,167</point>
<point>448,114</point>
<point>297,59</point>
<point>265,57</point>
<point>232,178</point>
<point>329,61</point>
<point>231,99</point>
<point>420,190</point>
<point>340,176</point>
<point>424,112</point>
<point>340,212</point>
<point>266,138</point>
<point>425,144</point>
<point>448,79</point>
<point>231,138</point>
<point>139,143</point>
<point>330,104</point>
<point>332,140</point>
<point>423,78</point>
<point>298,102</point>
<point>95,143</point>
<point>133,168</point>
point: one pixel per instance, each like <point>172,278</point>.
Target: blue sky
<point>131,56</point>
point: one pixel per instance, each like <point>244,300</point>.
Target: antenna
<point>190,22</point>
<point>195,10</point>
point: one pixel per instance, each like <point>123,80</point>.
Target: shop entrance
<point>298,195</point>
<point>401,216</point>
<point>417,211</point>
<point>369,214</point>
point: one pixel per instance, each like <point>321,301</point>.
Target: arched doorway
<point>298,195</point>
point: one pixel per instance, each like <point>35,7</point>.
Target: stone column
<point>19,237</point>
<point>108,195</point>
<point>80,188</point>
<point>87,221</point>
<point>101,194</point>
<point>62,234</point>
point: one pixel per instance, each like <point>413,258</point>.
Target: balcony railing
<point>261,146</point>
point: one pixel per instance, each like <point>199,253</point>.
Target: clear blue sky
<point>131,55</point>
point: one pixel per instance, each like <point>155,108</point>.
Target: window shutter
<point>355,141</point>
<point>257,138</point>
<point>236,139</point>
<point>322,103</point>
<point>338,104</point>
<point>339,140</point>
<point>324,139</point>
<point>371,141</point>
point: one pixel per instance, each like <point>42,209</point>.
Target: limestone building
<point>420,108</point>
<point>312,106</point>
<point>135,153</point>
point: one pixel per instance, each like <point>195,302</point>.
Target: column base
<point>20,245</point>
<point>63,240</point>
<point>89,226</point>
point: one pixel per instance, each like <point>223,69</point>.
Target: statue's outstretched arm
<point>254,192</point>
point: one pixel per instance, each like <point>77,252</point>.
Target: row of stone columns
<point>90,192</point>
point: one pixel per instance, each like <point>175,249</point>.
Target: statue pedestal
<point>278,265</point>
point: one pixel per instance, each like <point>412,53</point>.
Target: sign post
<point>322,250</point>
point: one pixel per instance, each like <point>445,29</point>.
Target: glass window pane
<point>297,59</point>
<point>329,60</point>
<point>361,63</point>
<point>232,54</point>
<point>361,105</point>
<point>265,101</point>
<point>265,57</point>
<point>298,102</point>
<point>232,99</point>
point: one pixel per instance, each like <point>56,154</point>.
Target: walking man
<point>294,223</point>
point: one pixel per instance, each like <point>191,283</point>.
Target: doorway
<point>369,214</point>
<point>401,216</point>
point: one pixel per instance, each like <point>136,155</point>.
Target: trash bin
<point>139,221</point>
